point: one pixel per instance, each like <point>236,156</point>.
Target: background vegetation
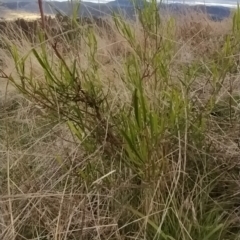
<point>121,130</point>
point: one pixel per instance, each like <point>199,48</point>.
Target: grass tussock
<point>122,130</point>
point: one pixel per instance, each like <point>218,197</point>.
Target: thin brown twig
<point>40,4</point>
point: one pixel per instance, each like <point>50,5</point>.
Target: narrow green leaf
<point>151,223</point>
<point>130,144</point>
<point>136,107</point>
<point>216,229</point>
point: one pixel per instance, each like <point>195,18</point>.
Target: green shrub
<point>169,181</point>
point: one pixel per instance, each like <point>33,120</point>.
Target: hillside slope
<point>125,6</point>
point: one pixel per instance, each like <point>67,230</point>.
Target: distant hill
<point>125,6</point>
<point>216,13</point>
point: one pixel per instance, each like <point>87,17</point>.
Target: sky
<point>227,3</point>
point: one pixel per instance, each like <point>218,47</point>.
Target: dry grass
<point>43,194</point>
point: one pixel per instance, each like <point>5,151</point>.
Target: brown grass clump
<point>202,36</point>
